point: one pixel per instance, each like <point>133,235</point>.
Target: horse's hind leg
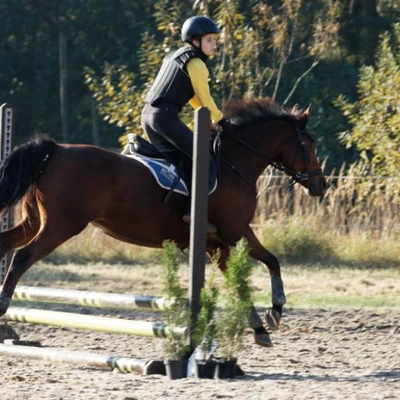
<point>261,336</point>
<point>47,240</point>
<point>21,234</point>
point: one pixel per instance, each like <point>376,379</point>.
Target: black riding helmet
<point>195,27</point>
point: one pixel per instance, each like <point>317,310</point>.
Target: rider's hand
<point>226,125</point>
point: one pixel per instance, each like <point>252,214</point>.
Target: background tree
<point>266,47</point>
<point>254,52</point>
<point>375,116</point>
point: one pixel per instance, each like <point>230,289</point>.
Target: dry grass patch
<point>305,286</point>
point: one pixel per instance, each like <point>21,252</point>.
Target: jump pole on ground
<point>53,355</point>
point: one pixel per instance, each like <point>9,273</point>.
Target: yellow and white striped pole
<point>91,322</point>
<point>90,299</point>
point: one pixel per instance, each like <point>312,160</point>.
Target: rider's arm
<point>198,74</point>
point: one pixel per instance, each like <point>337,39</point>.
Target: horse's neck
<point>251,158</point>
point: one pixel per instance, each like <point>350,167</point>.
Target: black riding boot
<point>187,218</point>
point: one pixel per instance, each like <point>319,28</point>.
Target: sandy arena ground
<point>317,354</point>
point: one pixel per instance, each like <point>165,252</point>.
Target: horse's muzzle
<point>317,187</point>
<point>324,185</point>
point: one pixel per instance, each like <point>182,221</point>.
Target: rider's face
<point>208,43</point>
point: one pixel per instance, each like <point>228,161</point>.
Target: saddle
<point>138,145</point>
<point>163,163</point>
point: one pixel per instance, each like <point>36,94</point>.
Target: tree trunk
<point>95,124</point>
<point>63,86</point>
<point>361,28</point>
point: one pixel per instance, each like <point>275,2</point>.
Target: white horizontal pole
<point>74,357</point>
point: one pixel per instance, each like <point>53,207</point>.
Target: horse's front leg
<point>258,252</point>
<point>261,336</point>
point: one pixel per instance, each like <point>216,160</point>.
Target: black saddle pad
<point>137,146</point>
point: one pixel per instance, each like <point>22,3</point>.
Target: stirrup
<point>210,227</point>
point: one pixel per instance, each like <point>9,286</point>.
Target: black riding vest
<point>172,82</point>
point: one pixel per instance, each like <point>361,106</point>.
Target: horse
<point>65,187</point>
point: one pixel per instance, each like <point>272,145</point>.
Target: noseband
<point>297,176</point>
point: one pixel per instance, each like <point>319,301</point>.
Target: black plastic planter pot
<point>205,369</point>
<point>225,369</point>
<point>176,369</point>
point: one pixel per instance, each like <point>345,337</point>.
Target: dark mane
<point>251,111</point>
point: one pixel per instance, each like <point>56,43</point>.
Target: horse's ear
<point>295,109</point>
<point>307,112</point>
<point>305,116</point>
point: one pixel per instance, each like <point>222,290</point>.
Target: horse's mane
<point>251,111</point>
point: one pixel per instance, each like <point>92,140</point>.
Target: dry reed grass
<point>357,222</point>
<point>352,204</point>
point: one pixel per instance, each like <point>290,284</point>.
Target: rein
<point>297,176</point>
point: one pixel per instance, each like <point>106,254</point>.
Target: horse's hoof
<point>263,339</point>
<point>4,303</point>
<point>273,319</point>
<point>8,334</point>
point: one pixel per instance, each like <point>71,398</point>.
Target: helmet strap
<point>199,39</point>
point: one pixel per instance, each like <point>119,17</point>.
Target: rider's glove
<point>226,125</point>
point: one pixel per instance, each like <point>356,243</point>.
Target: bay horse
<point>65,187</point>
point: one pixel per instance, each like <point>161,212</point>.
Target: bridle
<point>297,176</point>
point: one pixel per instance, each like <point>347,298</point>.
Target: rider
<point>183,78</point>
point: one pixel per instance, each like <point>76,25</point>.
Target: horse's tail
<point>19,171</point>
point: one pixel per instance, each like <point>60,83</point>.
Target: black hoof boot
<point>4,303</point>
<point>273,318</point>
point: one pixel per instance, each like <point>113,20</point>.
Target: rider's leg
<point>163,127</point>
<point>187,215</point>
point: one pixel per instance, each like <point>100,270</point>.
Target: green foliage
<point>117,97</point>
<point>233,320</point>
<point>206,327</point>
<point>178,314</point>
<point>239,268</point>
<point>259,49</point>
<point>375,116</point>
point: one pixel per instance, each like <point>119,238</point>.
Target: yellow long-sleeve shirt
<point>198,73</point>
